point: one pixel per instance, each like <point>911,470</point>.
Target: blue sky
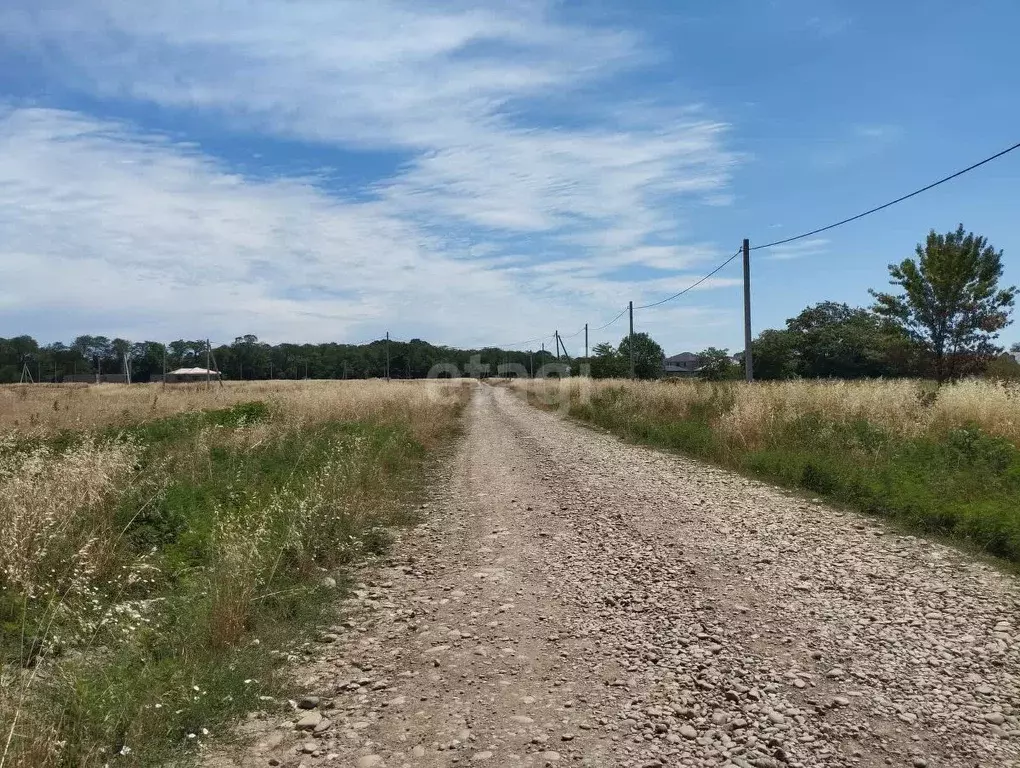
<point>483,173</point>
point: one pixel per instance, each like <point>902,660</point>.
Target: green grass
<point>962,484</point>
<point>222,543</point>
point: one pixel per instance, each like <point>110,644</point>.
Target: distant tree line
<point>941,324</point>
<point>248,358</point>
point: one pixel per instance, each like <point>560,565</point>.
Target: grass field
<point>945,462</point>
<point>160,548</point>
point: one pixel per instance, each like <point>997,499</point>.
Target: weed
<point>148,564</point>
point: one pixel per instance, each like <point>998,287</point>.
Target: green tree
<point>716,365</point>
<point>951,302</point>
<point>607,363</point>
<point>648,355</point>
<point>774,354</point>
<point>832,340</point>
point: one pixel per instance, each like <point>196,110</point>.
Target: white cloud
<point>454,87</point>
<point>798,249</point>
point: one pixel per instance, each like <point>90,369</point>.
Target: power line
<point>603,327</point>
<point>690,287</point>
<point>526,341</point>
<point>943,180</point>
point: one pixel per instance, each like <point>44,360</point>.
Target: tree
<point>607,363</point>
<point>832,340</point>
<point>774,355</point>
<point>717,365</point>
<point>951,302</point>
<point>648,355</point>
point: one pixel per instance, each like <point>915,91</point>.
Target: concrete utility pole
<point>748,363</point>
<point>586,341</point>
<point>531,362</point>
<point>208,354</point>
<point>630,307</point>
<point>387,355</point>
<point>556,336</point>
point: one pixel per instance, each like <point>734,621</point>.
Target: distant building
<point>684,364</point>
<point>185,375</point>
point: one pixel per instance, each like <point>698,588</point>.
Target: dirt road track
<point>572,600</point>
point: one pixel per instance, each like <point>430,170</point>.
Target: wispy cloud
<point>490,192</point>
<point>798,250</point>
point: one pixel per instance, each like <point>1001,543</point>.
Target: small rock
<point>308,721</point>
<point>480,756</point>
<point>919,762</point>
<point>688,732</point>
<point>308,702</point>
<point>995,718</point>
<point>776,717</point>
<point>418,751</point>
<point>370,761</point>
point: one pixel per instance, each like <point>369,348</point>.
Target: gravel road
<point>573,600</point>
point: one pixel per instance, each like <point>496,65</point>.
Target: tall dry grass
<point>748,413</point>
<point>54,526</point>
<point>38,410</point>
<point>150,531</point>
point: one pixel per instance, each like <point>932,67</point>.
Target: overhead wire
<point>878,208</point>
<point>773,244</point>
<point>603,327</point>
<point>693,285</point>
<point>839,223</point>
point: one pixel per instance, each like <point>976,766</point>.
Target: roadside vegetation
<point>941,460</point>
<point>160,549</point>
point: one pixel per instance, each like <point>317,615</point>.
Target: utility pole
<point>630,346</point>
<point>531,362</point>
<point>345,369</point>
<point>208,354</point>
<point>556,335</point>
<point>586,341</point>
<point>164,366</point>
<point>387,355</point>
<point>270,368</point>
<point>748,363</point>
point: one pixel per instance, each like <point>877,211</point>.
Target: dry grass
<point>53,520</point>
<point>748,413</point>
<point>151,531</point>
<point>37,410</point>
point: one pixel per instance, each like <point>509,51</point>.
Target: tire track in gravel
<point>575,600</point>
